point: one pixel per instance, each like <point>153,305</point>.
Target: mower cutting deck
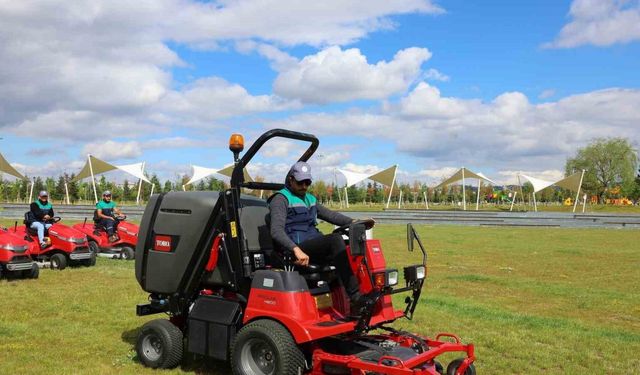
<point>207,260</point>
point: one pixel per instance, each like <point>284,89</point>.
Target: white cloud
<point>506,133</point>
<point>336,75</point>
<point>435,75</point>
<point>111,150</point>
<point>546,94</point>
<point>600,23</point>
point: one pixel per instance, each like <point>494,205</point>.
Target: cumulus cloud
<point>337,75</point>
<point>600,23</point>
<point>436,75</point>
<point>112,150</point>
<point>506,133</point>
<point>546,94</point>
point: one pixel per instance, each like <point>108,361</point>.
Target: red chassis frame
<point>300,314</point>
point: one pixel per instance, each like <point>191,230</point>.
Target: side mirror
<point>357,239</point>
<point>410,237</point>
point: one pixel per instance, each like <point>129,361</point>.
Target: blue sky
<point>499,87</point>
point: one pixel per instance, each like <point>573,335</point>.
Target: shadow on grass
<point>191,363</point>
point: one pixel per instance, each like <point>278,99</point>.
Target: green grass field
<point>553,301</point>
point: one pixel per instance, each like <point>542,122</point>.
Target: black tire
<point>93,246</point>
<point>439,368</point>
<point>91,261</point>
<point>35,271</point>
<point>58,261</point>
<point>265,347</point>
<point>453,367</point>
<point>128,253</point>
<point>160,344</point>
<point>1,271</point>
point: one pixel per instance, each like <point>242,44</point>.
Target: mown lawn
<point>553,301</point>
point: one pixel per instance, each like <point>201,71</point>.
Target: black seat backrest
<point>254,216</point>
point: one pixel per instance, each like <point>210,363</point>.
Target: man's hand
<point>302,258</point>
<point>47,217</point>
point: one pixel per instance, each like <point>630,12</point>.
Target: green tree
<point>608,162</point>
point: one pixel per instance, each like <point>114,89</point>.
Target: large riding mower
<point>66,246</point>
<point>15,262</point>
<point>99,242</point>
<point>208,261</point>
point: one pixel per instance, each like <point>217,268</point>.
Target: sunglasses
<point>303,182</point>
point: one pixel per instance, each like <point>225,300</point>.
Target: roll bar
<point>237,177</point>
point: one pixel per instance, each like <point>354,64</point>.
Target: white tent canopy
<point>537,183</point>
<point>7,168</point>
<point>572,182</point>
<point>95,166</point>
<point>462,174</point>
<point>202,172</point>
<point>386,177</point>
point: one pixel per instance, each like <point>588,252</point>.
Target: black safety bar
<point>237,177</point>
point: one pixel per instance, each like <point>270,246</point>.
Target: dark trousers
<point>329,249</point>
<point>109,225</point>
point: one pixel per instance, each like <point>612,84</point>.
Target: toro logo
<point>162,243</point>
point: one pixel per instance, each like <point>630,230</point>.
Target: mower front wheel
<point>58,261</point>
<point>93,246</point>
<point>455,364</point>
<point>33,273</point>
<point>265,347</point>
<point>160,344</point>
<point>127,253</point>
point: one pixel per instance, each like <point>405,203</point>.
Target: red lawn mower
<point>208,261</point>
<point>99,243</point>
<point>15,261</point>
<point>67,246</point>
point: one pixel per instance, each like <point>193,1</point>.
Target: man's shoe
<point>44,245</point>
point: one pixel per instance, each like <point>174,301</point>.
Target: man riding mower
<point>50,242</point>
<point>110,236</point>
<point>205,258</point>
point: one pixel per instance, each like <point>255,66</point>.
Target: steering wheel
<point>344,229</point>
<point>54,219</point>
<point>121,217</point>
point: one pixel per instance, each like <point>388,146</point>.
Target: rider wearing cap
<point>41,212</point>
<point>293,217</point>
<point>106,212</point>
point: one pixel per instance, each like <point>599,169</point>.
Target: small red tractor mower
<point>15,261</point>
<point>67,246</point>
<point>99,243</point>
<point>208,261</point>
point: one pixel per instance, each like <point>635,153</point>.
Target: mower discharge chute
<point>208,261</point>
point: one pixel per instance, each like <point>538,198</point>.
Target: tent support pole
<point>584,203</point>
<point>400,199</point>
<point>31,191</point>
<point>464,193</point>
<point>140,186</point>
<point>478,195</point>
<point>390,192</point>
<point>152,188</point>
<point>346,197</point>
<point>521,193</point>
<point>93,179</point>
<point>513,200</point>
<point>426,202</point>
<point>578,193</point>
<point>66,190</point>
<point>535,204</point>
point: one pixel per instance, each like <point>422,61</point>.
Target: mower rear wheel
<point>160,344</point>
<point>453,367</point>
<point>58,261</point>
<point>127,253</point>
<point>265,347</point>
<point>91,261</point>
